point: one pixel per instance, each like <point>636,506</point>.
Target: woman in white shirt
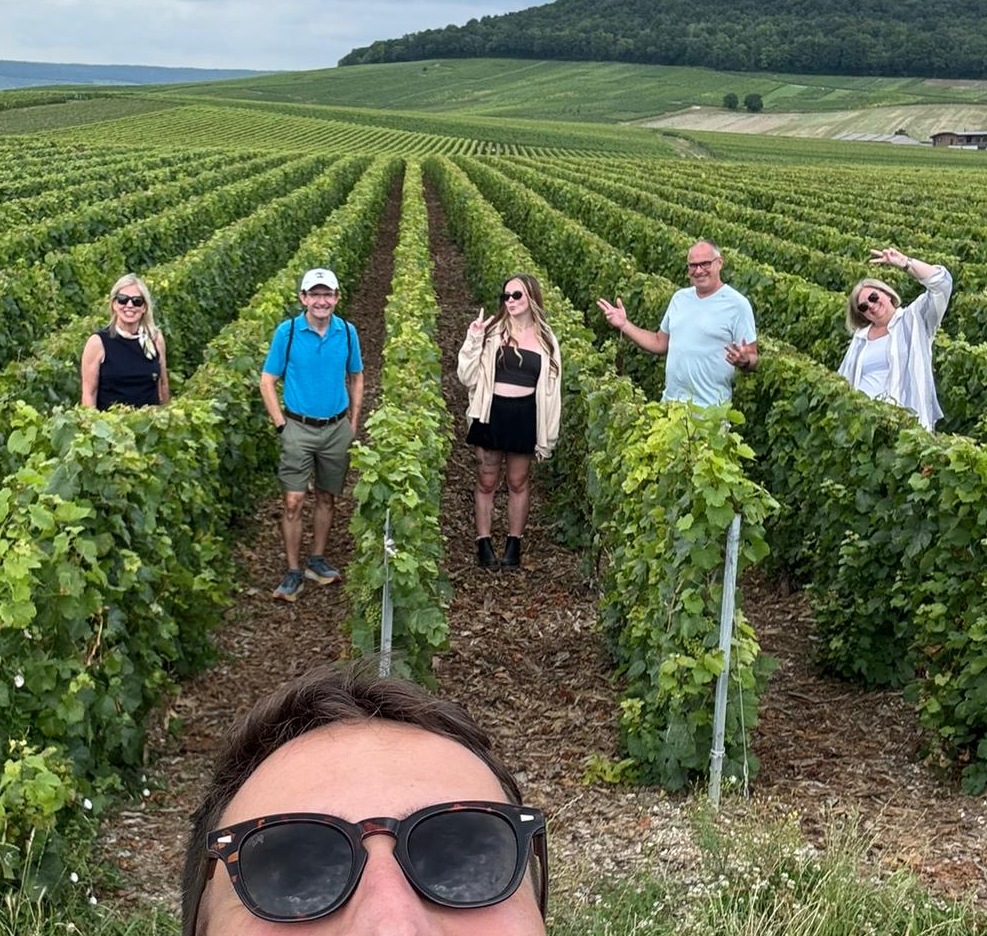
<point>890,352</point>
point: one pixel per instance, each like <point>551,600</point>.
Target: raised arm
<point>930,307</point>
<point>616,315</point>
<point>468,365</point>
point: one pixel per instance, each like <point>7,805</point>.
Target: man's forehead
<point>355,769</point>
<point>702,252</point>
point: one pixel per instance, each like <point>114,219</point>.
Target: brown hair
<point>342,692</point>
<point>498,324</point>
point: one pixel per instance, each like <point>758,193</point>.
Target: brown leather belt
<point>317,422</point>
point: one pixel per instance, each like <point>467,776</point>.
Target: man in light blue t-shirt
<point>707,332</point>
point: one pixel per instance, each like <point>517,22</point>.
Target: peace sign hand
<point>889,255</point>
<point>479,325</point>
<point>616,315</point>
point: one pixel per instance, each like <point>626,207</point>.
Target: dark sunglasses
<point>864,304</point>
<point>136,301</point>
<point>297,867</point>
<point>517,294</point>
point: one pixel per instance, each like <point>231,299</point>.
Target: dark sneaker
<point>291,586</point>
<point>320,571</point>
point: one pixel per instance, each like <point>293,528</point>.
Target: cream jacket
<point>476,372</point>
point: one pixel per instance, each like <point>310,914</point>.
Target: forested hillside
<point>940,39</point>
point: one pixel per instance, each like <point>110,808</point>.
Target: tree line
<point>945,39</point>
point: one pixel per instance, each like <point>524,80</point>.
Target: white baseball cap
<point>319,277</point>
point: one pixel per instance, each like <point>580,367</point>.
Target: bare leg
<point>518,492</point>
<point>291,526</point>
<point>322,515</point>
<point>487,478</point>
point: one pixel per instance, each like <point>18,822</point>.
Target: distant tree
<point>754,103</point>
<point>731,101</point>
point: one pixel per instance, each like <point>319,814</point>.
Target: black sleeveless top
<point>126,374</point>
<point>523,372</point>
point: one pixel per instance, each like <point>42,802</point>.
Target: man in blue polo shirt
<point>707,332</point>
<point>317,356</point>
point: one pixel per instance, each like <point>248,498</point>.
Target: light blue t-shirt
<point>699,331</point>
<point>315,381</point>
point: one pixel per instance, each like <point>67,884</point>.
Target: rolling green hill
<point>576,91</point>
<point>946,38</point>
<point>551,106</point>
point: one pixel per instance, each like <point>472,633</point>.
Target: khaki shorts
<point>309,449</point>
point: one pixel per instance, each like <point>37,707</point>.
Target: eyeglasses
<point>695,266</point>
<point>297,867</point>
<point>517,294</point>
<point>136,301</point>
<point>864,304</point>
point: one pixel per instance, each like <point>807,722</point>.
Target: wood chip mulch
<point>526,659</point>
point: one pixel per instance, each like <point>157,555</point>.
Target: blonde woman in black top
<point>125,362</point>
<point>511,364</point>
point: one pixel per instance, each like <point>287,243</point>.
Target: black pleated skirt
<point>512,426</point>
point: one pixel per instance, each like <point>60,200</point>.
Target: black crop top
<point>519,373</point>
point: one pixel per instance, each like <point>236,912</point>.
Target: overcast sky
<point>261,34</point>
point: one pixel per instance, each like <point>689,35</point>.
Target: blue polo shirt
<point>315,381</point>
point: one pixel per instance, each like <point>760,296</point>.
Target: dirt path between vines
<point>526,660</point>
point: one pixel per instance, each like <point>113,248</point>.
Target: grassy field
<point>585,91</point>
<point>750,147</point>
<point>920,121</point>
<point>302,126</point>
<point>314,127</point>
<point>573,106</point>
<point>76,113</point>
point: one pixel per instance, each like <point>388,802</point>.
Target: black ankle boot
<point>512,553</point>
<point>486,558</point>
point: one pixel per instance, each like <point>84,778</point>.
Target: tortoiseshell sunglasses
<point>297,867</point>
